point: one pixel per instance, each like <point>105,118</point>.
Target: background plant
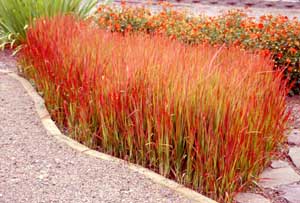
<point>15,15</point>
<point>210,118</point>
<point>277,36</point>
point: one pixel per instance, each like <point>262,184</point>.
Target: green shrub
<point>15,15</point>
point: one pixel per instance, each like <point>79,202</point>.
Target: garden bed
<point>208,117</point>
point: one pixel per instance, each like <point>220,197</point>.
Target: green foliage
<point>15,15</point>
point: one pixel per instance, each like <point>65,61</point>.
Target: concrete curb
<point>52,129</point>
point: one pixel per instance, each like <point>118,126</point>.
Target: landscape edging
<point>53,130</point>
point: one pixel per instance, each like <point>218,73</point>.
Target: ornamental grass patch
<point>207,117</point>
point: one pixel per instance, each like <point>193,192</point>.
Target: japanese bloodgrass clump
<point>210,118</point>
<point>275,35</point>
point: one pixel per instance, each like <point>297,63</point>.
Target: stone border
<point>52,129</point>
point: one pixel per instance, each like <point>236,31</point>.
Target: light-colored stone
<point>102,156</point>
<point>72,143</point>
<point>291,193</point>
<point>51,127</point>
<point>294,154</point>
<point>290,1</point>
<point>250,198</point>
<point>3,87</point>
<point>279,164</point>
<point>43,113</point>
<point>294,137</point>
<point>272,178</point>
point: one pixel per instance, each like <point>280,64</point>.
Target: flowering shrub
<point>208,117</point>
<point>275,35</point>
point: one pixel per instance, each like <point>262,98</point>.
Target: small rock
<point>271,178</point>
<point>15,180</point>
<point>294,137</point>
<point>294,154</point>
<point>250,198</point>
<point>279,164</point>
<point>291,193</point>
<point>43,176</point>
<point>125,191</point>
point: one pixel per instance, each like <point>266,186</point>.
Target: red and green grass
<point>210,118</point>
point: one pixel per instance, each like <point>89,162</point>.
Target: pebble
<point>294,137</point>
<point>291,193</point>
<point>294,153</point>
<point>274,177</point>
<point>279,164</point>
<point>250,198</point>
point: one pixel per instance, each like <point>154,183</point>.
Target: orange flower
<point>149,24</point>
<point>115,17</point>
<point>288,60</point>
<point>290,69</point>
<point>273,39</point>
<point>260,26</point>
<point>123,3</point>
<point>172,37</point>
<point>118,26</point>
<point>228,24</point>
<point>129,27</point>
<point>101,20</point>
<point>263,18</point>
<point>194,33</point>
<point>279,55</point>
<point>99,9</point>
<point>265,52</point>
<point>292,50</point>
<point>255,35</point>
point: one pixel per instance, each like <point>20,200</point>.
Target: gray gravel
<point>213,10</point>
<point>35,167</point>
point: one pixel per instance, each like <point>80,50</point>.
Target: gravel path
<point>35,167</point>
